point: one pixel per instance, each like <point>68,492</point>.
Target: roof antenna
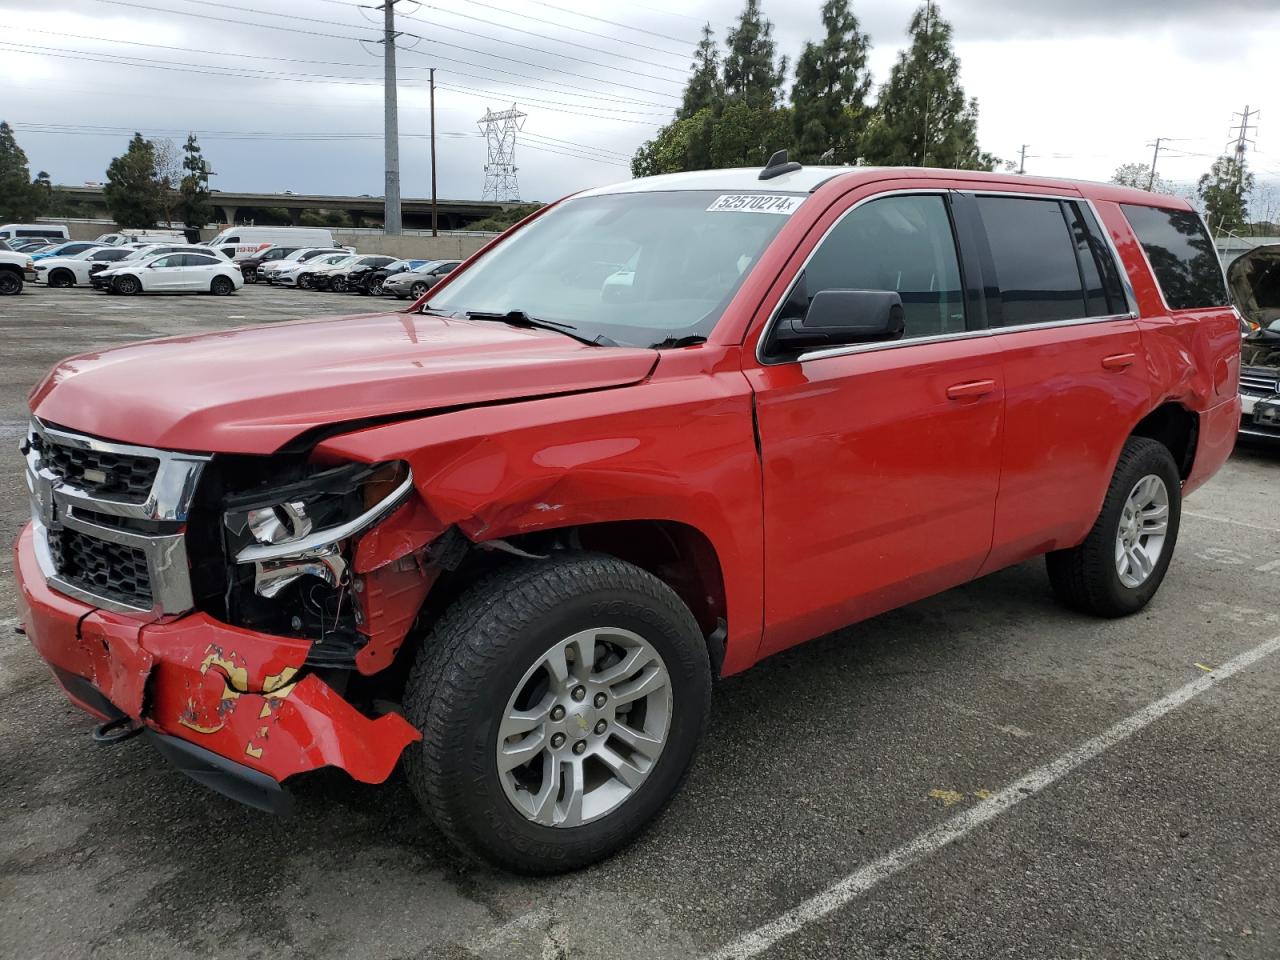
<point>778,165</point>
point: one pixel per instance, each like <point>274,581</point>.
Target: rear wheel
<point>127,285</point>
<point>221,286</point>
<point>10,283</point>
<point>560,703</point>
<point>1122,562</point>
<point>62,278</point>
<point>250,275</point>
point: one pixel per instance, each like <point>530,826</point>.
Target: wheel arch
<point>1176,427</point>
<point>63,272</point>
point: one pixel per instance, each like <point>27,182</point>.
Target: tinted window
<point>173,261</point>
<point>1182,256</point>
<point>898,243</point>
<point>1035,261</point>
<point>447,268</point>
<point>1104,261</point>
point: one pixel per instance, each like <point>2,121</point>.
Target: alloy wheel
<point>584,727</point>
<point>1144,522</point>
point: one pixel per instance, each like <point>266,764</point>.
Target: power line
<point>565,26</point>
<point>541,36</point>
<point>577,13</point>
<point>336,36</point>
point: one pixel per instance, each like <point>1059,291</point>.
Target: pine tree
<point>193,202</point>
<point>705,88</point>
<point>1223,191</point>
<point>20,198</point>
<point>750,74</point>
<point>832,82</point>
<point>922,118</point>
<point>132,191</point>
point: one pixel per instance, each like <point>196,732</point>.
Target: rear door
<point>881,460</point>
<point>1073,365</point>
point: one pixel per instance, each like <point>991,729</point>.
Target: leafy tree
<point>745,136</point>
<point>923,118</point>
<point>132,191</point>
<point>20,199</point>
<point>750,73</point>
<point>1223,191</point>
<point>705,88</point>
<point>193,191</point>
<point>506,218</point>
<point>832,83</point>
<point>1139,175</point>
<point>680,145</point>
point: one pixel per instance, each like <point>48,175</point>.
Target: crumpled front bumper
<point>234,694</point>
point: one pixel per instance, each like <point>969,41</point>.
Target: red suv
<point>653,434</point>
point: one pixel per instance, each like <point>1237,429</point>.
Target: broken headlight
<point>299,529</point>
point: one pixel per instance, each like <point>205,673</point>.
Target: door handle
<point>971,390</point>
<point>1118,361</point>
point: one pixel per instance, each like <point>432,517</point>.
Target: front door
<point>880,461</point>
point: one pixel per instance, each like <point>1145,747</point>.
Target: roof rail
<point>778,165</point>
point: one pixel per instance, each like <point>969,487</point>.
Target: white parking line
<point>860,881</point>
<point>1233,522</point>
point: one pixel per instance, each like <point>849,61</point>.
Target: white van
<point>143,236</point>
<point>241,242</point>
<point>32,231</point>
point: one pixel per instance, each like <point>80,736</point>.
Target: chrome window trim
<point>825,353</point>
<point>169,500</point>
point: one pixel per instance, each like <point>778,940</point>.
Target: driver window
<point>901,243</point>
<point>171,261</point>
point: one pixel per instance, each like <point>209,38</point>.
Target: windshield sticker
<point>756,203</point>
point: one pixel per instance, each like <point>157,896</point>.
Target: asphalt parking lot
<point>979,775</point>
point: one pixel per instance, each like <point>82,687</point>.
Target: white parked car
<point>270,271</point>
<point>175,273</point>
<point>138,254</point>
<point>76,269</point>
<point>298,274</point>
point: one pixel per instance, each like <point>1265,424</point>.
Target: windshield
<point>638,268</point>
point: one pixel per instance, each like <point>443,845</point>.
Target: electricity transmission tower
<point>500,131</point>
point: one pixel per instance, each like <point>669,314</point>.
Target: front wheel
<point>560,703</point>
<point>1122,562</point>
<point>417,290</point>
<point>251,276</point>
<point>338,285</point>
<point>373,288</point>
<point>62,278</point>
<point>127,285</point>
<point>304,282</point>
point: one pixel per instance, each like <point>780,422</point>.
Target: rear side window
<point>1034,255</point>
<point>1182,256</point>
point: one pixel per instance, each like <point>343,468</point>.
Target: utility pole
<point>924,133</point>
<point>391,223</point>
<point>434,231</point>
<point>1155,157</point>
<point>1022,159</point>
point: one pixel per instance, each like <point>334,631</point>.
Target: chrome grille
<point>109,519</point>
<point>102,568</point>
<point>1258,386</point>
<point>97,472</point>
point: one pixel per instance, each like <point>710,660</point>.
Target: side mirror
<point>839,317</point>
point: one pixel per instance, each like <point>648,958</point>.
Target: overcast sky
<point>1088,84</point>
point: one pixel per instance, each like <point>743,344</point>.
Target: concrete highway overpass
<point>235,207</point>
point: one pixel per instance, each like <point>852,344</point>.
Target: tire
<point>338,285</point>
<point>372,289</point>
<point>473,667</point>
<point>10,283</point>
<point>304,282</point>
<point>418,289</point>
<point>62,278</point>
<point>1089,577</point>
<point>222,286</point>
<point>251,276</point>
<point>127,285</point>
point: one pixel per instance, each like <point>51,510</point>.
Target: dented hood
<point>253,390</point>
